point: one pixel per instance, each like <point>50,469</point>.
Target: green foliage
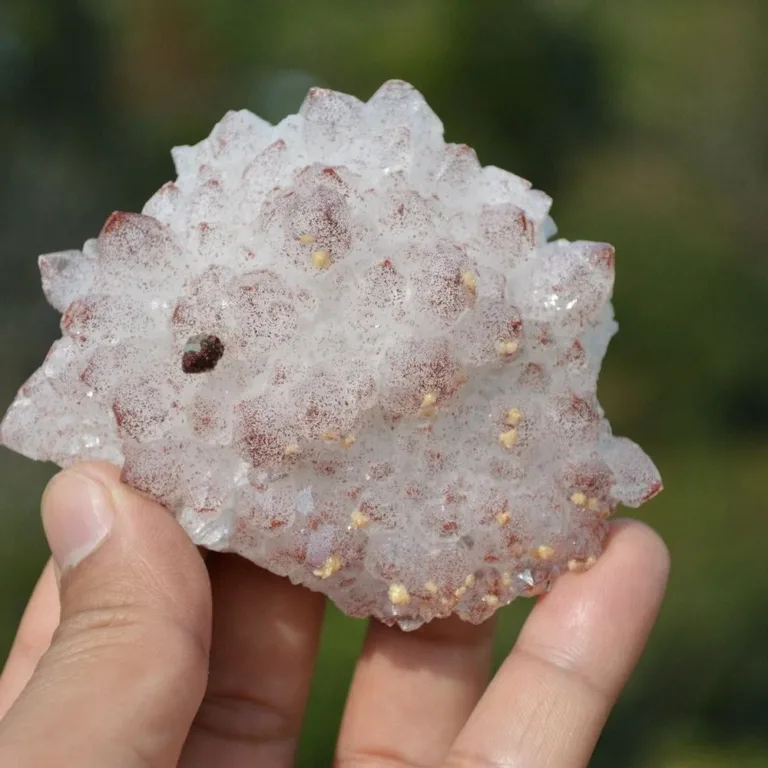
<point>646,119</point>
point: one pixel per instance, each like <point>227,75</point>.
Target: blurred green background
<point>647,120</point>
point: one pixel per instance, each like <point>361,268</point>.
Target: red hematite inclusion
<point>201,353</point>
<point>405,415</point>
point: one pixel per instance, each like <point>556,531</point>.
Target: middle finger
<point>413,692</point>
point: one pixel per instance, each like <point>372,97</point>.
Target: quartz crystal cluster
<point>347,351</point>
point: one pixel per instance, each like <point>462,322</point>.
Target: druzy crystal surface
<point>347,351</point>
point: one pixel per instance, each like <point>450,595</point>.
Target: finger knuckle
<point>129,629</point>
<point>233,716</point>
<point>567,665</point>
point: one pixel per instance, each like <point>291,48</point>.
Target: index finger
<point>550,699</point>
<point>40,619</point>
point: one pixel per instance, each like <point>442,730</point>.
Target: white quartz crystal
<point>347,351</point>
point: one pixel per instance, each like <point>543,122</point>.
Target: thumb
<point>126,671</point>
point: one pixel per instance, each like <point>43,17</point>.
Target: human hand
<point>157,660</point>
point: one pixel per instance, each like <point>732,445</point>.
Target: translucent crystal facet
<point>348,352</point>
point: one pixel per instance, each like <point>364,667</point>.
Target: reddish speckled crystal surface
<point>343,349</point>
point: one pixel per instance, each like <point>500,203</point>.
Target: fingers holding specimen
<point>265,639</point>
<point>412,692</point>
<point>38,624</point>
<point>127,666</point>
<point>551,697</point>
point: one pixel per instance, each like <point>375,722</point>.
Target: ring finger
<point>550,699</point>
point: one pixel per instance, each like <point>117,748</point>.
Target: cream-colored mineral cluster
<point>345,350</point>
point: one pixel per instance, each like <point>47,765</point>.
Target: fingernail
<point>77,516</point>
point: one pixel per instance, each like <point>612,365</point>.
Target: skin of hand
<point>135,652</point>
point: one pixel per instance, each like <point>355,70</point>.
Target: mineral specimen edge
<point>345,350</point>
